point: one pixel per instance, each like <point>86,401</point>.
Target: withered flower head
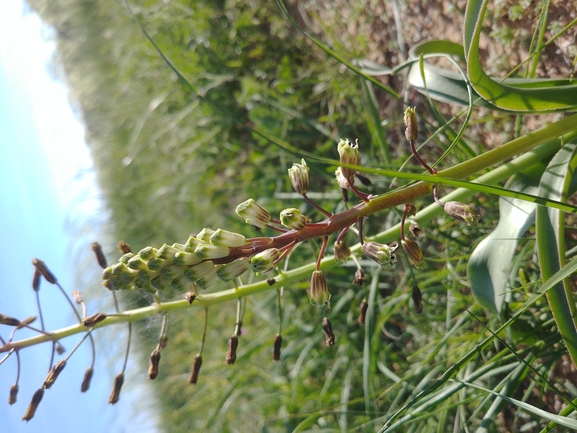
<point>461,212</point>
<point>77,295</point>
<point>348,154</point>
<point>100,258</point>
<point>36,399</point>
<point>195,368</point>
<point>411,124</point>
<point>318,291</point>
<point>124,247</point>
<point>153,362</point>
<point>10,321</point>
<point>359,277</point>
<point>363,312</point>
<point>415,229</point>
<point>328,328</point>
<point>299,176</point>
<point>416,295</point>
<point>44,271</point>
<point>87,378</point>
<point>13,394</point>
<point>231,354</point>
<point>115,394</point>
<point>384,255</point>
<point>342,252</point>
<point>413,252</point>
<point>276,347</point>
<point>53,374</point>
<point>190,297</point>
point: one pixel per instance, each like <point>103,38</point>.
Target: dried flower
<point>190,297</point>
<point>328,329</point>
<point>13,394</point>
<point>44,271</point>
<point>253,213</point>
<point>384,255</point>
<point>342,252</point>
<point>318,291</point>
<point>413,252</point>
<point>100,258</point>
<point>195,368</point>
<point>293,219</point>
<point>36,399</point>
<point>359,277</point>
<point>415,229</point>
<point>91,321</point>
<point>349,154</point>
<point>124,247</point>
<point>231,354</point>
<point>59,348</point>
<point>411,124</point>
<point>410,209</point>
<point>363,312</point>
<point>276,347</point>
<point>461,212</point>
<point>115,394</point>
<point>87,378</point>
<point>299,176</point>
<point>53,374</point>
<point>416,295</point>
<point>36,280</point>
<point>10,321</point>
<point>153,362</point>
<point>264,260</point>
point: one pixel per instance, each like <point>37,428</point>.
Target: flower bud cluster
<point>178,265</point>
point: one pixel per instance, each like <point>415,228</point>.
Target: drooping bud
<point>124,247</point>
<point>153,362</point>
<point>417,299</point>
<point>13,394</point>
<point>230,271</point>
<point>461,212</point>
<point>349,154</point>
<point>299,176</point>
<point>231,354</point>
<point>36,280</point>
<point>253,213</point>
<point>115,394</point>
<point>44,271</point>
<point>342,252</point>
<point>411,124</point>
<point>363,312</point>
<point>293,219</point>
<point>328,329</point>
<point>414,252</point>
<point>53,374</point>
<point>87,379</point>
<point>318,291</point>
<point>59,348</point>
<point>359,277</point>
<point>100,258</point>
<point>264,260</point>
<point>384,255</point>
<point>195,369</point>
<point>10,321</point>
<point>342,180</point>
<point>36,399</point>
<point>276,347</point>
<point>228,239</point>
<point>91,321</point>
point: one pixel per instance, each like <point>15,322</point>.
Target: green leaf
<point>556,184</point>
<point>490,263</point>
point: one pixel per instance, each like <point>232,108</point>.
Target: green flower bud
<point>253,213</point>
<point>180,284</point>
<point>411,124</point>
<point>137,263</point>
<point>461,212</point>
<point>156,263</point>
<point>265,260</point>
<point>293,219</point>
<point>209,279</point>
<point>228,239</point>
<point>413,252</point>
<point>161,282</point>
<point>232,270</point>
<point>123,273</point>
<point>205,235</point>
<point>147,253</point>
<point>349,154</point>
<point>196,272</point>
<point>342,252</point>
<point>299,176</point>
<point>191,244</point>
<point>126,257</point>
<point>318,291</point>
<point>167,252</point>
<point>384,255</point>
<point>184,258</point>
<point>209,251</point>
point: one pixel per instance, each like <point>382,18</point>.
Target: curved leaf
<point>490,263</point>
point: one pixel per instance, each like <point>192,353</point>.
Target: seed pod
<point>231,354</point>
<point>13,394</point>
<point>153,362</point>
<point>100,258</point>
<point>363,312</point>
<point>328,328</point>
<point>53,374</point>
<point>44,271</point>
<point>87,378</point>
<point>115,394</point>
<point>276,347</point>
<point>195,368</point>
<point>36,399</point>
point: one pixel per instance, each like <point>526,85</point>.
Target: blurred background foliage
<point>169,164</point>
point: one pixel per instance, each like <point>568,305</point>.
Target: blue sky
<point>49,209</point>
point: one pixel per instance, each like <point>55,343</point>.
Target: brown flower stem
<point>418,158</point>
<point>322,252</point>
<point>363,196</point>
<point>317,207</point>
